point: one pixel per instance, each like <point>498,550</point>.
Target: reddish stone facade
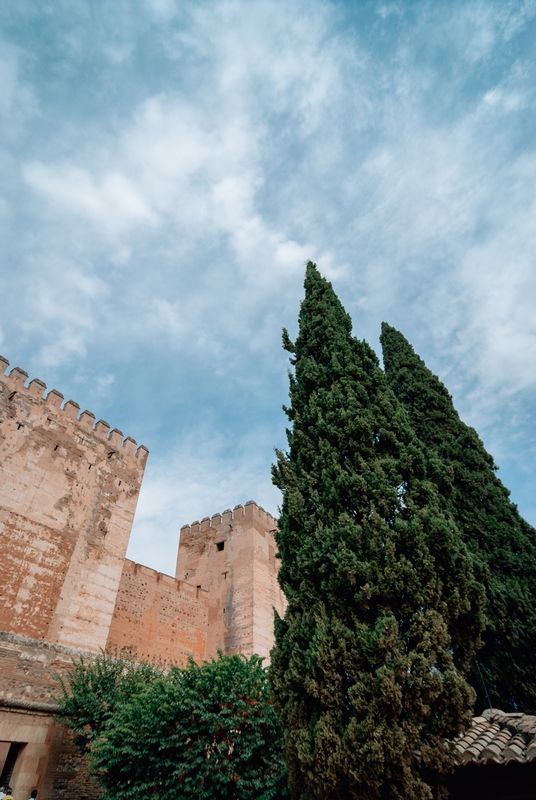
<point>158,618</point>
<point>68,493</point>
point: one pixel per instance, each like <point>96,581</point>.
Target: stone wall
<point>233,555</point>
<point>159,618</point>
<point>68,492</point>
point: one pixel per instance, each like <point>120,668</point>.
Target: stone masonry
<point>47,759</point>
<point>158,618</point>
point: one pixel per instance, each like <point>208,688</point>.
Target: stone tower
<point>68,492</point>
<point>233,556</point>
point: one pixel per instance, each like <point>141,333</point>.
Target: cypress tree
<point>383,608</point>
<point>502,542</point>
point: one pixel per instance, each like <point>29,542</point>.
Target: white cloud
<point>67,344</point>
<point>113,202</point>
<point>104,384</point>
<point>17,100</point>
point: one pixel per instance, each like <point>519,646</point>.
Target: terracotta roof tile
<point>498,738</point>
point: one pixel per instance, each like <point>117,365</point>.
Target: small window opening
<point>19,426</point>
<point>89,467</point>
<point>56,447</point>
<point>220,545</point>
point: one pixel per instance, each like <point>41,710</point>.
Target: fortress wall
<point>233,555</point>
<point>159,618</point>
<point>68,492</point>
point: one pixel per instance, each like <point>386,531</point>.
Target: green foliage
<point>502,542</point>
<point>96,688</point>
<point>205,732</point>
<point>384,611</point>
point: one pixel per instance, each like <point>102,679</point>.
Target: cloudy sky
<point>167,168</point>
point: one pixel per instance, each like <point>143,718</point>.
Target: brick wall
<point>158,618</point>
<point>68,492</point>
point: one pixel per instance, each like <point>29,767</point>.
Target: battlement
<point>69,413</point>
<point>234,556</point>
<point>251,510</point>
<point>34,391</point>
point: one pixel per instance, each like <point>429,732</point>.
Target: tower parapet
<point>68,414</point>
<point>251,510</point>
<point>68,492</point>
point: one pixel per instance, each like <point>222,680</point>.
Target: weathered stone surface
<point>68,492</point>
<point>159,618</point>
<point>29,679</point>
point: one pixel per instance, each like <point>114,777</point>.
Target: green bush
<point>207,731</point>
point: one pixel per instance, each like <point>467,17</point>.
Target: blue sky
<point>168,167</point>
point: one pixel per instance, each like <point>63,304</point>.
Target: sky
<point>166,170</point>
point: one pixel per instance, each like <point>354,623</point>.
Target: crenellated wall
<point>68,492</point>
<point>159,618</point>
<point>233,555</point>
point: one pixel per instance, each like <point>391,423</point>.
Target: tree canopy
<point>384,610</point>
<point>502,542</point>
<point>207,732</point>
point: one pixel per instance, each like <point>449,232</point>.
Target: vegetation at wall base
<point>208,731</point>
<point>502,542</point>
<point>384,610</point>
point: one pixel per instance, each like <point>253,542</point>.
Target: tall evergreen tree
<point>381,596</point>
<point>503,543</point>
